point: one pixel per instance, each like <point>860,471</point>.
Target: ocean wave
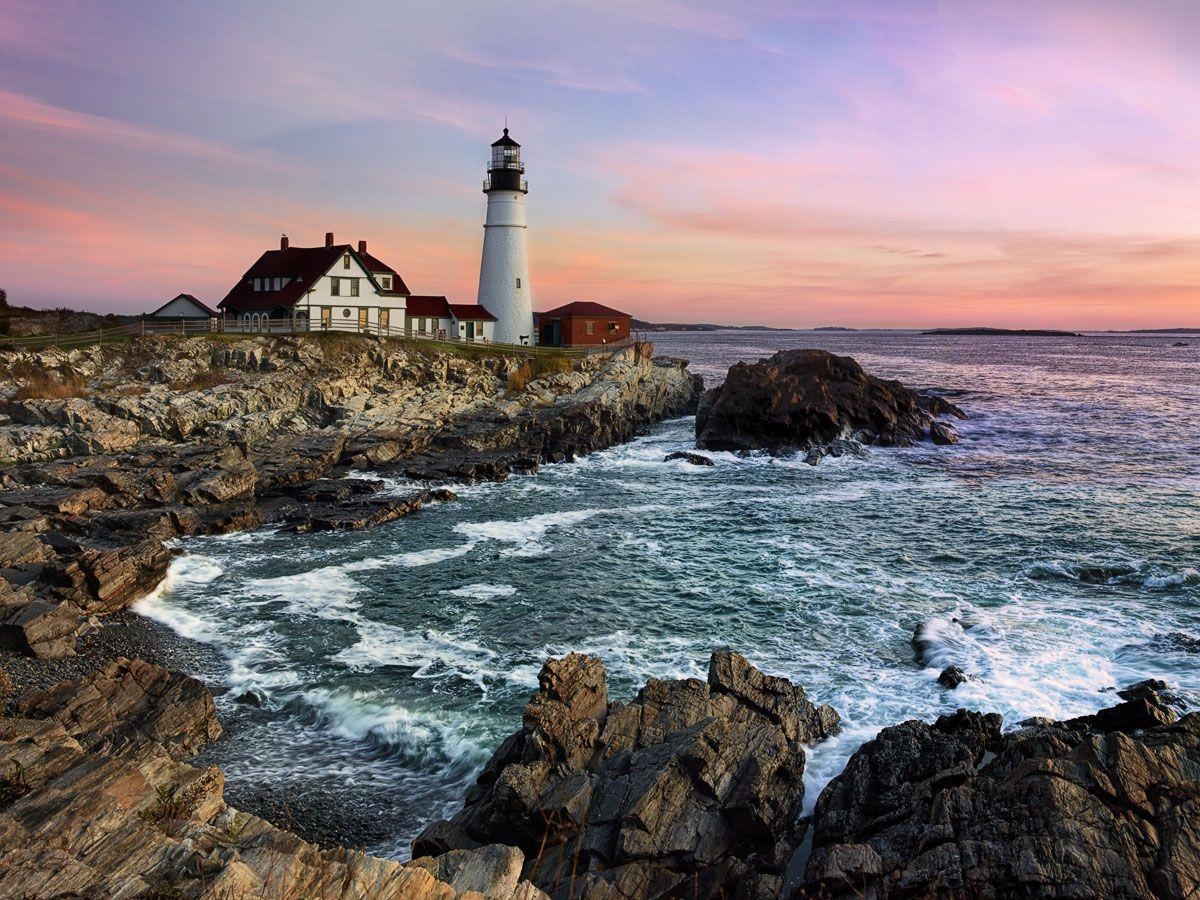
<point>418,739</point>
<point>1115,573</point>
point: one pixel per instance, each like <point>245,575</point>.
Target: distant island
<point>834,328</point>
<point>639,325</point>
<point>1027,332</point>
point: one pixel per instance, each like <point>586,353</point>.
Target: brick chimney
<point>362,246</point>
<point>329,239</point>
<point>283,242</point>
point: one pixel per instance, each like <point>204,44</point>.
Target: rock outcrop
<point>178,437</point>
<point>1094,807</point>
<point>692,789</point>
<point>805,399</point>
<point>95,802</point>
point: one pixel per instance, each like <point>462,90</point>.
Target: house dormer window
<point>386,281</point>
<point>346,261</point>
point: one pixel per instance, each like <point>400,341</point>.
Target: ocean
<point>377,670</point>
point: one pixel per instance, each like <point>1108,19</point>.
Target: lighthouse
<point>504,269</point>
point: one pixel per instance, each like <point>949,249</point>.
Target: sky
<point>893,164</point>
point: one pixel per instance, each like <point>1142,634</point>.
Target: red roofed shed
<point>583,323</point>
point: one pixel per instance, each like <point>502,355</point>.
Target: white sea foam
<point>482,591</point>
<point>431,653</point>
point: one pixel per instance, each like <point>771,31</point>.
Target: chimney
<point>283,242</point>
<point>329,239</point>
<point>362,246</point>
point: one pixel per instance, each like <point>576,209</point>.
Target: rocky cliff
<point>112,450</point>
<point>96,802</point>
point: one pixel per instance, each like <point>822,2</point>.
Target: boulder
<point>695,459</point>
<point>693,786</point>
<point>952,676</point>
<point>799,399</point>
<point>131,700</point>
<point>42,629</point>
<point>957,809</point>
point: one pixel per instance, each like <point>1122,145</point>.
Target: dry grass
<point>6,685</point>
<point>201,381</point>
<point>50,385</point>
<point>537,367</point>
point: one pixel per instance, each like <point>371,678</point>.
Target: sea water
<point>1054,554</point>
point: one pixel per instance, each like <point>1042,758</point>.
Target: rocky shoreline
<point>692,788</point>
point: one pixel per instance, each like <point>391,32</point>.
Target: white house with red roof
<point>338,287</point>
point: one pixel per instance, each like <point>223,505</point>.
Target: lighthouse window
<point>518,282</point>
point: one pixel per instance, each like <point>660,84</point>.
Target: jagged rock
<point>80,818</point>
<point>942,433</point>
<point>956,809</point>
<point>41,629</point>
<point>354,515</point>
<point>493,871</point>
<point>805,398</point>
<point>693,786</point>
<point>131,700</point>
<point>696,459</point>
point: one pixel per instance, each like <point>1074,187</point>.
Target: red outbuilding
<point>583,323</point>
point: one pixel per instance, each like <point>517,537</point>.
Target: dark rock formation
<point>806,398</point>
<point>952,676</point>
<point>693,789</point>
<point>696,459</point>
<point>1094,807</point>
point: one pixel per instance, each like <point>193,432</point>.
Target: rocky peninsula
<point>110,451</point>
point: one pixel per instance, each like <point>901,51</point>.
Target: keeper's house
<point>330,287</point>
<point>583,323</point>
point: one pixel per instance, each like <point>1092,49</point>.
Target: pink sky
<point>866,164</point>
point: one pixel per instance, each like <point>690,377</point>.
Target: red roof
<point>425,305</point>
<point>585,308</point>
<point>378,267</point>
<point>302,266</point>
<point>470,311</point>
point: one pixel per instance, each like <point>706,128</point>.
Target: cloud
<point>20,111</point>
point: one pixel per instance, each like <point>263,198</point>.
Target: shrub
<point>553,363</point>
<point>171,803</point>
<point>519,379</point>
<point>6,685</point>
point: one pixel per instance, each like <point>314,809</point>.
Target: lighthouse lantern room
<point>504,269</point>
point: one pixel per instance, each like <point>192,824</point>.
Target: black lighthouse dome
<point>505,169</point>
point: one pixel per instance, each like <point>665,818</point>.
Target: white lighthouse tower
<point>504,270</point>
